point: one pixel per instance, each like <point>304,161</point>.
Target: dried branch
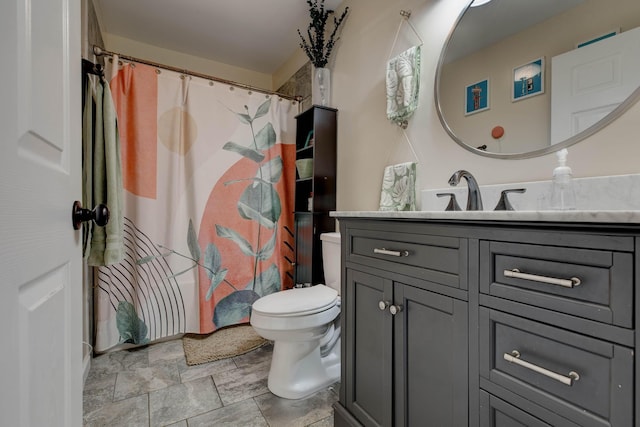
<point>314,45</point>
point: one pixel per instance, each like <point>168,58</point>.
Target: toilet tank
<point>331,259</point>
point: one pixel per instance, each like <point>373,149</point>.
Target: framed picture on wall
<point>476,97</point>
<point>528,80</point>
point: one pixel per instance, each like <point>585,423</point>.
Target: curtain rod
<point>98,51</point>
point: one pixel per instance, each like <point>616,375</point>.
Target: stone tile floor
<point>154,386</point>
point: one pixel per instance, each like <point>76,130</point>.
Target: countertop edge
<point>614,216</point>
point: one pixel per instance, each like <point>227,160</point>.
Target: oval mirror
<point>520,78</point>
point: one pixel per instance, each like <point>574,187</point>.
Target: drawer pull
<point>384,251</point>
<point>514,357</point>
<point>566,283</point>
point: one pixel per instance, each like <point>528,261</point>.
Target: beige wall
<point>367,142</point>
<point>163,56</point>
<point>289,68</point>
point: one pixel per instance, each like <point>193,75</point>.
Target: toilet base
<point>297,370</point>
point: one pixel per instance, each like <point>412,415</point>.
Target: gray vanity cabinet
<point>405,345</point>
<point>489,323</point>
<point>556,314</point>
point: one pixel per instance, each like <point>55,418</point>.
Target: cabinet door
<point>304,247</point>
<point>368,359</point>
<point>431,359</point>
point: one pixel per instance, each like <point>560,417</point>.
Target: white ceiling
<point>258,35</point>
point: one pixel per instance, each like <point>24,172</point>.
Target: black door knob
<point>99,214</point>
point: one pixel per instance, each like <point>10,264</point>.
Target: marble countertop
<point>613,216</point>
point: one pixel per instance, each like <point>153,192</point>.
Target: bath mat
<point>224,343</point>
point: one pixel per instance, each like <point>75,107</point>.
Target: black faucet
<point>474,200</point>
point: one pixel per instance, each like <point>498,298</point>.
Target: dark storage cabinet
<point>316,134</point>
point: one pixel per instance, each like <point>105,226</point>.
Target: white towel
<point>399,188</point>
<point>403,82</point>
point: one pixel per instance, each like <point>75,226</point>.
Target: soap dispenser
<point>563,195</point>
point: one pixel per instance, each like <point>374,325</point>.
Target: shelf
<point>305,149</point>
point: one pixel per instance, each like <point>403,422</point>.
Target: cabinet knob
<point>382,305</point>
<point>395,309</point>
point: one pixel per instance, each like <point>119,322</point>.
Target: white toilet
<point>304,325</point>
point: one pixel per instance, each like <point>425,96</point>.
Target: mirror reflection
<point>519,78</point>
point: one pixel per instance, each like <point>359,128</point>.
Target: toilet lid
<point>295,302</point>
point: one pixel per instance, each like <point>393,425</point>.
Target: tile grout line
<point>149,408</point>
<point>260,409</point>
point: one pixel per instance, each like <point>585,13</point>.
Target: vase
<point>321,86</point>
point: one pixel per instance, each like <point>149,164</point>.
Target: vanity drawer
<point>580,378</point>
<point>510,410</point>
<point>501,414</point>
<point>593,284</point>
<point>439,259</point>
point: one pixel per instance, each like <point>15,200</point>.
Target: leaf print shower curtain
<point>208,173</point>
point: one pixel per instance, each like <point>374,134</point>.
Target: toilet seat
<point>297,302</point>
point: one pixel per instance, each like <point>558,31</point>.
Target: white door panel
<point>589,82</point>
<point>40,255</point>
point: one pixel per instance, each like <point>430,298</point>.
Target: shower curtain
<point>208,173</point>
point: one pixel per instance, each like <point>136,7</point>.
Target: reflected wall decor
<point>528,79</point>
<point>476,97</point>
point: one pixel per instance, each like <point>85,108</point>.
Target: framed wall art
<point>476,97</point>
<point>528,80</point>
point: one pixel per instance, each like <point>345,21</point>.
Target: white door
<point>590,82</point>
<point>40,256</point>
